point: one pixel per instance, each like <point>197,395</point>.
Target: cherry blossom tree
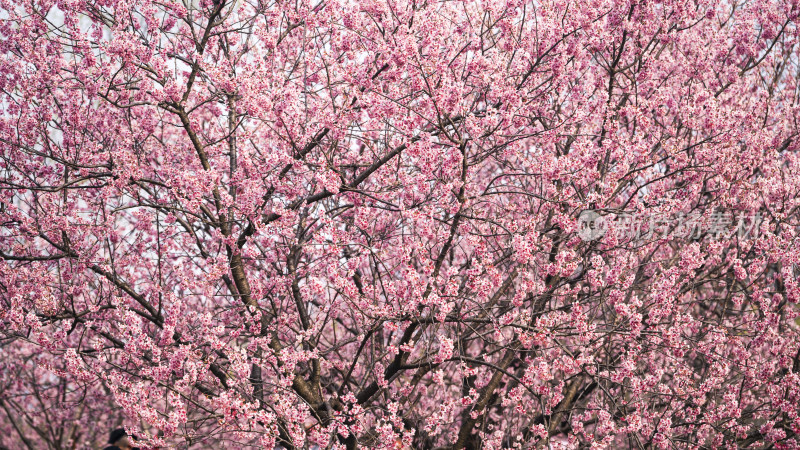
<point>355,224</point>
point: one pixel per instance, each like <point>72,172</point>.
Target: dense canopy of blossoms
<point>343,224</point>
